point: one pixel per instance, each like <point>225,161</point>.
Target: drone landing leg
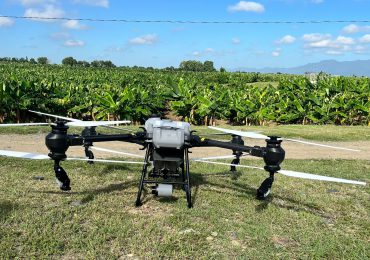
<point>235,139</point>
<point>89,154</point>
<point>265,189</point>
<point>187,176</point>
<point>143,174</point>
<point>62,177</point>
<point>273,157</point>
<point>235,161</point>
<point>89,132</point>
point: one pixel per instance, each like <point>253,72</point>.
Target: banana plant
<point>185,100</point>
<point>197,97</point>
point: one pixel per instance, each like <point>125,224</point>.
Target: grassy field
<point>97,219</point>
<point>309,132</point>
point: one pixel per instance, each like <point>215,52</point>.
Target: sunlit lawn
<point>98,219</point>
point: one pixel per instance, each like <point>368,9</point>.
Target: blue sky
<point>160,44</point>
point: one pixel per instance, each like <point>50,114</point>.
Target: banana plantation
<point>198,97</point>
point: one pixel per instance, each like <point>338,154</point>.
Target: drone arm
<point>227,145</point>
<point>257,151</point>
<point>273,155</point>
<point>77,140</point>
<point>107,138</point>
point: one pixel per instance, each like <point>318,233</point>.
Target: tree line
<point>188,65</point>
<point>39,60</point>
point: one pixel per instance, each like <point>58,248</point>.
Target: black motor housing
<point>274,154</point>
<point>57,141</point>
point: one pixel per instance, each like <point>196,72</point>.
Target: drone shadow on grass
<point>200,179</point>
<point>284,202</point>
<point>91,194</point>
<point>110,168</point>
<point>6,208</point>
<point>246,191</point>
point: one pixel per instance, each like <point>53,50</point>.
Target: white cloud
<point>332,46</point>
<point>360,49</point>
<point>322,44</point>
<point>36,2</point>
<point>196,54</point>
<point>74,43</point>
<point>345,40</point>
<point>333,52</point>
<point>209,50</point>
<point>287,39</point>
<point>144,40</point>
<point>345,48</point>
<point>339,45</point>
<point>74,25</point>
<point>235,40</point>
<point>314,37</point>
<point>276,52</point>
<point>244,6</point>
<point>353,28</point>
<point>31,2</point>
<point>365,38</point>
<point>99,3</point>
<point>6,22</point>
<point>47,11</point>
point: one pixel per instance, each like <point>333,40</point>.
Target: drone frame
<point>167,164</point>
<point>58,142</point>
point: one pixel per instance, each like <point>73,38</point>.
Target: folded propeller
<point>255,135</point>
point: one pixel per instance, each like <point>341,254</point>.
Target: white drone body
<point>167,133</point>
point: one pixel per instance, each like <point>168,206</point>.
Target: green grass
<point>97,219</point>
<point>309,132</point>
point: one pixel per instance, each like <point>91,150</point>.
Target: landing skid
<point>171,178</point>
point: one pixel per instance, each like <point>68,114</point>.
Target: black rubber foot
<point>62,178</point>
<point>89,154</point>
<point>188,195</point>
<point>65,188</point>
<point>262,195</point>
<point>265,189</point>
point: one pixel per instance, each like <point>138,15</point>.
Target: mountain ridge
<point>334,67</point>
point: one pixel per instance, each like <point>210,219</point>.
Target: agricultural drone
<point>167,144</point>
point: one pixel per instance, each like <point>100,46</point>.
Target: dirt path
<point>35,143</point>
